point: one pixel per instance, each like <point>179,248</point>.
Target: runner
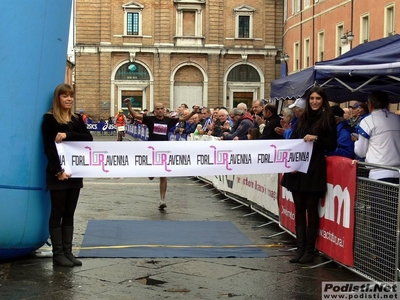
<point>120,122</point>
<point>159,125</point>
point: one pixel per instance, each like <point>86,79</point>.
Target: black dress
<point>76,131</point>
<point>315,179</point>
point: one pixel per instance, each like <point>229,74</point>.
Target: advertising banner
<point>336,211</point>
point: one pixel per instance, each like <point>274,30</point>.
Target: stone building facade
<point>205,52</point>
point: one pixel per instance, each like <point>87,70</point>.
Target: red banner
<point>336,211</point>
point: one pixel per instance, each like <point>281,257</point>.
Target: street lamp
<point>347,37</point>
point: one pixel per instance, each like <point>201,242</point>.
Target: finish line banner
<point>172,159</point>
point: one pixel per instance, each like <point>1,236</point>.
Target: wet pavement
<point>34,277</point>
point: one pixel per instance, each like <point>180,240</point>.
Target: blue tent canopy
<point>351,76</point>
<point>293,86</point>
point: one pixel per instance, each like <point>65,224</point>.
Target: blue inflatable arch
<point>33,56</point>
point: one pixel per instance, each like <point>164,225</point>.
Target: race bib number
<point>160,129</point>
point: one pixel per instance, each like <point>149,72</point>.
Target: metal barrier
<point>376,230</point>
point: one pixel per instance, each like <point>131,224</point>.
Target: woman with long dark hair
<point>62,124</point>
<point>317,125</point>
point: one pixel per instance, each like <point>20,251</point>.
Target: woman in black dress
<point>317,125</point>
<point>62,124</point>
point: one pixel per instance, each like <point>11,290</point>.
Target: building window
<point>132,71</point>
<point>321,46</point>
<point>296,6</point>
<point>307,53</point>
<point>244,26</point>
<point>244,73</point>
<point>133,24</point>
<point>364,29</point>
<point>296,55</point>
<point>306,3</point>
<point>189,22</point>
<point>389,20</point>
<point>285,10</point>
<point>133,18</point>
<point>339,34</point>
<point>244,21</point>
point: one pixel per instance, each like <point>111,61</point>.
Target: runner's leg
<point>163,191</point>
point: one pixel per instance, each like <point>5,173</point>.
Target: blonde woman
<point>62,124</point>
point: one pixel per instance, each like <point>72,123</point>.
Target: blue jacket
<point>345,146</point>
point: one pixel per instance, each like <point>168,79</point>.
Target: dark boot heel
<point>312,234</point>
<point>301,244</point>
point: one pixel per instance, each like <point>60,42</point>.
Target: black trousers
<point>63,205</point>
<point>307,209</point>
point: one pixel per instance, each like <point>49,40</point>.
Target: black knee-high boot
<point>312,234</point>
<point>59,258</point>
<point>301,244</point>
<point>67,234</point>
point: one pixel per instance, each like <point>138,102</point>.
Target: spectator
<point>242,106</point>
<point>192,125</point>
<point>215,120</point>
<point>286,121</point>
<point>347,113</point>
<point>379,138</point>
<point>379,143</point>
<point>222,125</point>
<point>258,115</point>
<point>182,125</point>
<point>207,120</point>
<point>243,122</point>
<point>272,121</point>
<point>253,134</point>
<point>345,146</point>
<point>362,112</point>
<point>317,125</point>
<point>298,107</point>
<point>359,112</point>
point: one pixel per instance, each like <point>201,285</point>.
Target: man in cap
<point>345,146</point>
<point>360,111</point>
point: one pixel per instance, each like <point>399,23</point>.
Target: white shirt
<point>379,142</point>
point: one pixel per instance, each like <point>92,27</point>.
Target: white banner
<point>171,159</point>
